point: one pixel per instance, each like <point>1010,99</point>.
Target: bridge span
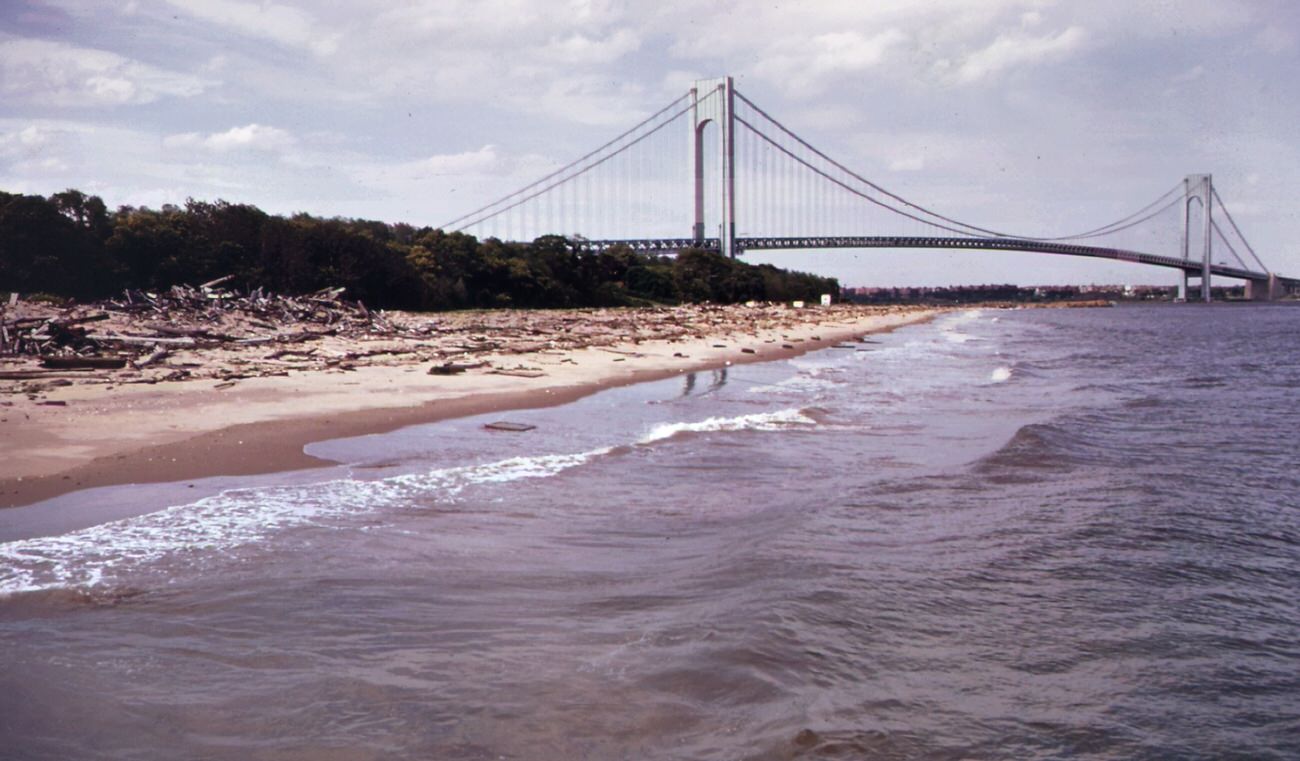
<point>740,163</point>
<point>1260,285</point>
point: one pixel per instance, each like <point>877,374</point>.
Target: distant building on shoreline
<point>966,294</point>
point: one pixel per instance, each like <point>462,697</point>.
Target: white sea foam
<point>803,383</point>
<point>240,517</point>
<point>779,420</point>
<point>1000,375</point>
<point>950,328</point>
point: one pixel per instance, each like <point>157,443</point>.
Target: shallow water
<point>1034,534</point>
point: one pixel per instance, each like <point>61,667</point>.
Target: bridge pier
<point>1195,286</point>
<point>1265,290</point>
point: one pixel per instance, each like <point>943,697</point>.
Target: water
<point>1033,534</point>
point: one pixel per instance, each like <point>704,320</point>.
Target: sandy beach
<point>241,406</point>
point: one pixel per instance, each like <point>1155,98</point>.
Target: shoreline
<point>83,436</point>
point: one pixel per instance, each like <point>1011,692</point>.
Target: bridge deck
<point>1191,267</point>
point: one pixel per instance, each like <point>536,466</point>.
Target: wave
<point>804,383</point>
<point>193,533</point>
<point>89,557</point>
<point>779,420</point>
<point>1032,449</point>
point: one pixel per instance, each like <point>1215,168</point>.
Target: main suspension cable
<point>575,162</point>
<point>918,207</point>
<point>1215,192</point>
<point>568,178</point>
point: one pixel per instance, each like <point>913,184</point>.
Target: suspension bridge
<point>738,168</point>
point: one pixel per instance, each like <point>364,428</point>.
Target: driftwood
<point>70,321</point>
<point>505,425</point>
<point>523,372</point>
<point>173,331</point>
<point>454,368</point>
<point>297,352</point>
<point>74,362</point>
<point>37,374</point>
<point>141,340</point>
<point>215,283</point>
<point>157,355</point>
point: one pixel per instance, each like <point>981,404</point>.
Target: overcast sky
<point>1028,115</point>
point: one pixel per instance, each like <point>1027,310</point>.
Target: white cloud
<point>483,161</point>
<point>806,66</point>
<point>284,24</point>
<point>255,137</point>
<point>61,74</point>
<point>852,51</point>
<point>1012,50</point>
<point>25,141</point>
<point>578,48</point>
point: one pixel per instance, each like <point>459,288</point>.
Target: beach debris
<point>455,368</point>
<point>157,355</point>
<point>75,362</point>
<point>505,425</point>
<point>217,332</point>
<point>524,372</point>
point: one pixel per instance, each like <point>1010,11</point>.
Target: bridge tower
<point>714,100</point>
<point>1198,188</point>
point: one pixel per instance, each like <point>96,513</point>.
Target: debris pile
<point>210,332</point>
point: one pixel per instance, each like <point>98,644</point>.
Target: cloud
<point>1013,50</point>
<point>852,51</point>
<point>805,66</point>
<point>483,161</point>
<point>254,137</point>
<point>25,141</point>
<point>578,48</point>
<point>284,24</point>
<point>62,74</point>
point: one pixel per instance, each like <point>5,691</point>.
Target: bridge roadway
<point>1191,267</point>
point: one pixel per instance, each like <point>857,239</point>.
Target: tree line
<point>70,244</point>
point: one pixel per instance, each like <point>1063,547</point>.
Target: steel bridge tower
<point>714,100</point>
<point>1198,188</point>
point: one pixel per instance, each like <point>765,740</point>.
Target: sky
<point>1026,115</point>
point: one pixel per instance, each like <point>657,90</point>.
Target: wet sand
<point>91,430</point>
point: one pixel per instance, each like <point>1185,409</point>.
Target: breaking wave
<point>780,420</point>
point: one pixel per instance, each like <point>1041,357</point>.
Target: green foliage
<point>71,245</point>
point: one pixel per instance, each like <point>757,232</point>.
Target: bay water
<point>1026,534</point>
